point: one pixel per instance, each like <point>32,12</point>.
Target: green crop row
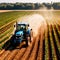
<point>6,32</point>
<point>57,29</point>
<point>10,16</point>
<point>46,45</point>
<point>6,37</point>
<point>54,57</point>
<point>4,41</point>
<point>56,38</point>
<point>57,23</point>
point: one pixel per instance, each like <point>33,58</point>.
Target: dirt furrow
<point>11,55</point>
<point>4,55</point>
<point>35,49</point>
<point>39,57</point>
<point>1,52</point>
<point>20,54</point>
<point>29,50</point>
<point>13,52</point>
<point>40,53</point>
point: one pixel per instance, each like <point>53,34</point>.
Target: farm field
<point>45,43</point>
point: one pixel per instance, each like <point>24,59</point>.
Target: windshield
<point>20,27</point>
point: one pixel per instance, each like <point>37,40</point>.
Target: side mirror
<point>31,29</point>
<point>14,25</point>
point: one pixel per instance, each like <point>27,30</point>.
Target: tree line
<point>28,6</point>
<point>20,6</point>
<point>56,5</point>
<point>53,5</point>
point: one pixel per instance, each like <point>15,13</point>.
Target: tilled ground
<point>35,51</point>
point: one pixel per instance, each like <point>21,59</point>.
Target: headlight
<point>21,34</point>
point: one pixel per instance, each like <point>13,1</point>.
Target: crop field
<point>45,43</point>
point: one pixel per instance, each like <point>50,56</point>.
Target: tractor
<point>22,33</point>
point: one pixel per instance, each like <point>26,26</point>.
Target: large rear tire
<point>26,42</point>
<point>12,41</point>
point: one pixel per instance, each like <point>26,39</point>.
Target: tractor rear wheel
<point>12,41</point>
<point>26,42</point>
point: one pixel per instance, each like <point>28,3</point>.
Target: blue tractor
<point>22,33</point>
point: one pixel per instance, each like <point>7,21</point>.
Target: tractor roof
<point>22,23</point>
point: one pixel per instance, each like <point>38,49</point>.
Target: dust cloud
<point>35,21</point>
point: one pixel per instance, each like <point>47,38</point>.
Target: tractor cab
<point>20,33</point>
<point>20,27</point>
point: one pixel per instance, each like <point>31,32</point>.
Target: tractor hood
<point>19,33</point>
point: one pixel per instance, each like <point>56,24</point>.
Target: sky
<point>27,1</point>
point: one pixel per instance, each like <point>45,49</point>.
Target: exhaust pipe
<point>16,24</point>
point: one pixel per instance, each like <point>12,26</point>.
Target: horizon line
<point>29,2</point>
